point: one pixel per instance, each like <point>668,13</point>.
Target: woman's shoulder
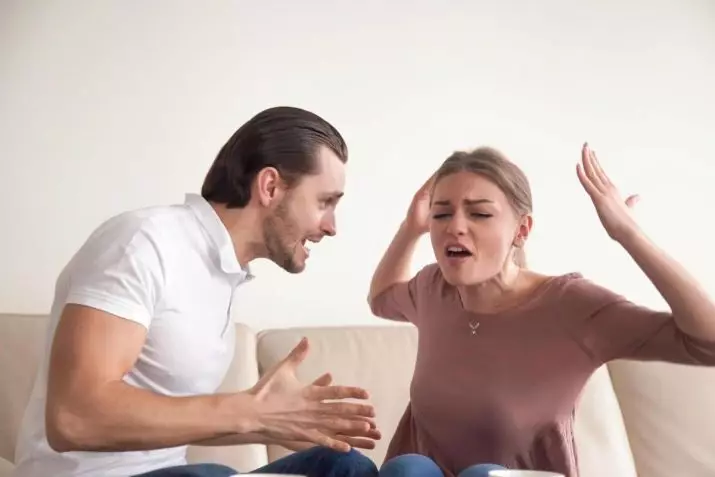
<point>573,289</point>
<point>429,276</point>
<point>566,290</point>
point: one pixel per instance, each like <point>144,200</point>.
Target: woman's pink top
<point>506,395</point>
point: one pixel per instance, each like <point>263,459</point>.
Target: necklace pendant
<point>473,325</point>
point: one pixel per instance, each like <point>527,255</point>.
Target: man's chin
<point>295,270</point>
<point>293,267</point>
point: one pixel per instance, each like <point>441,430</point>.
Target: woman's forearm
<point>394,267</point>
<point>692,307</point>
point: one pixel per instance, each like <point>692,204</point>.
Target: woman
<point>504,352</point>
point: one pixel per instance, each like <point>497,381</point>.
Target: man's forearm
<point>253,438</point>
<point>120,417</point>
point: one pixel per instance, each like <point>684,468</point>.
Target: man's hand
<point>364,440</point>
<point>289,411</point>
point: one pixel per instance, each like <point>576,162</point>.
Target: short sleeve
<point>120,274</point>
<point>402,301</point>
<point>611,327</point>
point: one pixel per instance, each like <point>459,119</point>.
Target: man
<point>142,333</point>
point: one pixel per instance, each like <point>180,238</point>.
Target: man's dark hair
<point>286,138</point>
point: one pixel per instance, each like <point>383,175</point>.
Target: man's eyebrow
<point>332,195</point>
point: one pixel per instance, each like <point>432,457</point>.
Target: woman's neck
<point>509,288</point>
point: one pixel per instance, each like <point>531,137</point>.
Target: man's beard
<point>278,231</point>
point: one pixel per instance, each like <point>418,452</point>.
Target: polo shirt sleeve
<point>120,274</point>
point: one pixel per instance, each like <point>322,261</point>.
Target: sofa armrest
<point>5,468</point>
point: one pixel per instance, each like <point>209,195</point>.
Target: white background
<point>113,105</point>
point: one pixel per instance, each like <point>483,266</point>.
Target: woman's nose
<point>457,225</point>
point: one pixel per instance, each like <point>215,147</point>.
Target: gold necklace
<point>473,325</point>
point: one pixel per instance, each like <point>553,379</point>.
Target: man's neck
<point>245,228</point>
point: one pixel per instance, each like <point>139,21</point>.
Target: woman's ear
<point>523,230</point>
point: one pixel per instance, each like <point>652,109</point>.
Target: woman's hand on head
<point>417,220</point>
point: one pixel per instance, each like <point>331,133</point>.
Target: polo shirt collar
<point>219,236</point>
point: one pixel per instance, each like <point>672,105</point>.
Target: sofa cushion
<point>602,443</point>
<point>5,468</point>
<point>22,342</point>
<point>668,415</point>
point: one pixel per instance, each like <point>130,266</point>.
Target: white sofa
<point>635,419</point>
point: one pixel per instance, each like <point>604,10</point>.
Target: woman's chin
<point>462,276</point>
<point>457,278</point>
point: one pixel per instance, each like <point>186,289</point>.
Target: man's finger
<point>321,393</point>
<point>369,434</point>
<point>357,442</point>
<point>324,440</point>
<point>324,380</point>
<point>298,354</point>
<point>347,410</point>
<point>369,420</point>
<point>333,425</point>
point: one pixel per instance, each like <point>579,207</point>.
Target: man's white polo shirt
<point>172,269</point>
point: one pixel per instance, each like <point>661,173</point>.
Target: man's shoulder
<point>154,222</point>
<point>149,234</point>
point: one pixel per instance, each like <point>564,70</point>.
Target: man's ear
<point>269,186</point>
<point>523,230</point>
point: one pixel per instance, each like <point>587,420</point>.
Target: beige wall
<point>106,106</point>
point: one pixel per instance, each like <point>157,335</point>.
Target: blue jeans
<point>415,465</point>
<point>314,462</point>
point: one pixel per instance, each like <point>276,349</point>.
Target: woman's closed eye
<point>476,215</point>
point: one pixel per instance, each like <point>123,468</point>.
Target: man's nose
<point>329,227</point>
